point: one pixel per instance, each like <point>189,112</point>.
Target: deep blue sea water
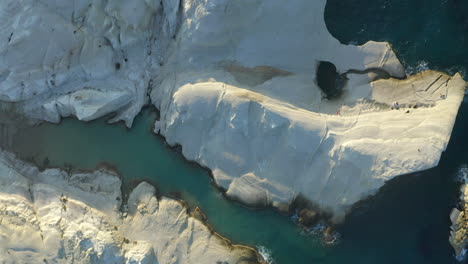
<point>432,33</point>
<point>425,34</point>
<point>406,222</point>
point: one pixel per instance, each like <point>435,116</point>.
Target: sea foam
<point>462,175</point>
<point>422,66</point>
<point>266,254</point>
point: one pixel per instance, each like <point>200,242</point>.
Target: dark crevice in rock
<point>9,38</point>
<point>380,73</point>
<point>329,80</point>
<point>180,16</point>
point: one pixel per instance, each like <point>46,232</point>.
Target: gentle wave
<point>266,254</point>
<point>422,66</point>
<point>462,256</point>
<point>462,175</point>
<point>319,231</point>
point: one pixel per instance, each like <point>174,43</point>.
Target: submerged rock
<point>55,217</point>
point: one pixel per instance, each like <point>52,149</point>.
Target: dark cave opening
<point>329,80</point>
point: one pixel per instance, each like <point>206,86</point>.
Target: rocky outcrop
<point>84,58</point>
<point>55,217</point>
<point>236,86</point>
<point>263,126</point>
<point>459,217</point>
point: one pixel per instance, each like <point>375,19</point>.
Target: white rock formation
<point>239,95</point>
<point>53,51</point>
<point>54,217</point>
<point>235,83</point>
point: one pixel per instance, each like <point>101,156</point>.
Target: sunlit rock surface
<point>236,85</point>
<point>239,95</point>
<point>56,217</point>
<point>459,218</point>
<point>59,58</point>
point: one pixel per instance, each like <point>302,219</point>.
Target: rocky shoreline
<point>310,217</point>
<point>241,101</point>
<point>459,229</point>
<point>237,90</point>
<point>53,216</point>
<point>264,128</point>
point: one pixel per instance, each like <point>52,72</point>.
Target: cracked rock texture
<point>459,218</point>
<point>235,82</point>
<point>85,58</point>
<point>56,217</point>
<point>239,94</point>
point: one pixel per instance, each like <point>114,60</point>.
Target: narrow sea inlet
<point>406,222</point>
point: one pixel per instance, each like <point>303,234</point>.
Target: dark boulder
<point>308,217</point>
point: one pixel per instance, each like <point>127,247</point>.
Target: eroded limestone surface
<point>265,129</point>
<point>235,82</point>
<point>85,58</point>
<point>56,217</point>
<point>459,218</point>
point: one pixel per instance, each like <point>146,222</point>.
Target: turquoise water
<point>406,222</point>
<point>138,154</point>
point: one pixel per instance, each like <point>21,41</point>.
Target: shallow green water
<point>406,222</point>
<point>139,154</point>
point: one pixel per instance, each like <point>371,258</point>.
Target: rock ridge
<point>236,88</point>
<point>55,217</point>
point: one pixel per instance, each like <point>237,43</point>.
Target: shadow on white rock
<point>56,49</point>
<point>55,217</point>
<point>236,86</point>
<point>240,96</point>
